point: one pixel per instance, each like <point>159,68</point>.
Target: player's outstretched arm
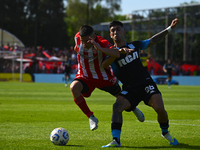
<point>109,60</point>
<point>113,52</point>
<point>159,36</point>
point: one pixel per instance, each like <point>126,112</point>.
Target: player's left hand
<point>174,23</point>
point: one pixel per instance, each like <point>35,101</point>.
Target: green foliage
<point>176,36</point>
<point>49,24</point>
<point>13,18</point>
<point>80,12</point>
<point>52,29</point>
<point>38,22</point>
<point>30,111</point>
<point>119,17</point>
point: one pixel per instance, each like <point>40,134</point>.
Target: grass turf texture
<point>30,111</point>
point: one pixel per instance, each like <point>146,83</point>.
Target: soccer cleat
<point>170,139</point>
<point>139,114</point>
<point>93,122</point>
<point>114,143</point>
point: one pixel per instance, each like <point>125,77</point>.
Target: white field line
<point>198,125</point>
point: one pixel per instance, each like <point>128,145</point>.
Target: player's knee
<point>72,87</point>
<point>75,87</point>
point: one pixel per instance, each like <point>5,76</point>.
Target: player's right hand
<point>125,50</point>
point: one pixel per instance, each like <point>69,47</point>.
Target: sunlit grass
<point>30,111</point>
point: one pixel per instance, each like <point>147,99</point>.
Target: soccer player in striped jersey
<point>137,83</point>
<point>91,74</point>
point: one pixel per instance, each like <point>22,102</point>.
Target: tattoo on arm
<point>158,37</point>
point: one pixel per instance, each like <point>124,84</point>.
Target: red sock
<point>80,101</point>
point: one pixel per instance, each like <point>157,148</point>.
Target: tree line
<point>53,23</point>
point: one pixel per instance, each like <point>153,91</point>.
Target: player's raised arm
<point>159,36</point>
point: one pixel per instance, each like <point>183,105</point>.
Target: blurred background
<point>36,35</point>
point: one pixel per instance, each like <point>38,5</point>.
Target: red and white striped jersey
<point>89,60</point>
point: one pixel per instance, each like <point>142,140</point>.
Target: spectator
<point>167,68</point>
<point>67,63</point>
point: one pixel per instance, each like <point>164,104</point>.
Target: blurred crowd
<point>155,68</point>
<point>49,60</point>
<point>37,59</point>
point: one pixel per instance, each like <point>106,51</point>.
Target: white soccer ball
<point>59,136</point>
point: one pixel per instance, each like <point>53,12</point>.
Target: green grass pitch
<point>30,111</point>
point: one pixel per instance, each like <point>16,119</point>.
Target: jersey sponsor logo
<point>149,89</point>
<point>128,59</point>
<point>124,92</point>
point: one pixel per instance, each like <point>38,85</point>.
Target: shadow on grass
<point>181,145</point>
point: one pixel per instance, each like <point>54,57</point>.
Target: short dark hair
<point>85,30</point>
<point>115,23</point>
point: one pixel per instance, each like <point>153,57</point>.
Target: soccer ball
<point>59,136</point>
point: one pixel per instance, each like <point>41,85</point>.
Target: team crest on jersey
<point>124,92</point>
<point>131,46</point>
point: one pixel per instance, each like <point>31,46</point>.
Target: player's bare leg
<point>157,104</point>
<point>76,87</point>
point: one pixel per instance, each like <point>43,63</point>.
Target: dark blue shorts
<point>142,92</point>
